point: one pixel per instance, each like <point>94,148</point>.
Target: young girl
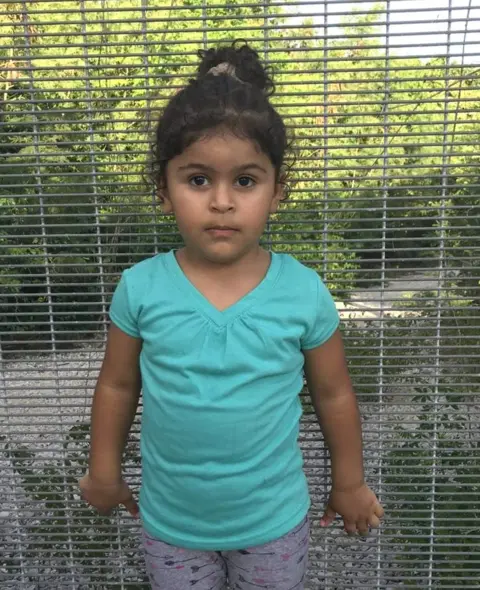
<point>217,335</point>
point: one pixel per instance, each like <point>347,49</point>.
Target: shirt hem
<point>122,326</point>
<point>323,339</point>
<point>255,541</point>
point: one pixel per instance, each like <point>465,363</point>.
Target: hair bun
<point>245,60</point>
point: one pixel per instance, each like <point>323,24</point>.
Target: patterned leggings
<point>279,565</point>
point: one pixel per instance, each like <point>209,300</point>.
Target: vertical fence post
<point>326,131</point>
<point>148,115</point>
<point>46,262</point>
<point>93,163</point>
<point>89,99</point>
<point>385,188</point>
<point>439,299</point>
<point>266,40</point>
<point>12,480</point>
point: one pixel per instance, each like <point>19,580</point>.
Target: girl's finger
<point>131,506</point>
<point>379,510</point>
<point>350,527</point>
<point>374,521</point>
<point>362,527</point>
<point>328,516</point>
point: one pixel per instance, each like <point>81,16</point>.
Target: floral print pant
<point>279,565</point>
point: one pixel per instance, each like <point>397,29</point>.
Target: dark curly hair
<point>237,101</point>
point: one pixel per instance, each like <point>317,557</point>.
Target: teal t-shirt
<point>221,464</point>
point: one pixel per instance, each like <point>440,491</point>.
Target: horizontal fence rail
<point>383,101</point>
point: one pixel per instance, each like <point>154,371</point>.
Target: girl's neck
<point>255,262</point>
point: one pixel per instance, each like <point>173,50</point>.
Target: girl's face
<point>221,190</point>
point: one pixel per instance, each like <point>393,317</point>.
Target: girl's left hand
<point>358,507</point>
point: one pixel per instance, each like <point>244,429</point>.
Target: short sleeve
<point>122,312</point>
<point>324,319</point>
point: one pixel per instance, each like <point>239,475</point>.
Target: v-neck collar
<point>203,305</point>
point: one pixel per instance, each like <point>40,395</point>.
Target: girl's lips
<point>221,231</point>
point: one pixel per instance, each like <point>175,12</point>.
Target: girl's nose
<point>222,199</point>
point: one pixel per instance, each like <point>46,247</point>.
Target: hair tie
<point>224,68</point>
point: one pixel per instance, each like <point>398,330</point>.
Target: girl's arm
<point>336,407</point>
<point>114,405</point>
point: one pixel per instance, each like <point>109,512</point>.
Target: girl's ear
<point>165,202</point>
<point>278,196</point>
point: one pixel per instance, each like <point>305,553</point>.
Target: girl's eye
<point>245,181</point>
<point>198,180</point>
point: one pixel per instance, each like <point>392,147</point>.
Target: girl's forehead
<point>222,150</point>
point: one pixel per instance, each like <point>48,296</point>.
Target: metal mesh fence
<point>384,101</point>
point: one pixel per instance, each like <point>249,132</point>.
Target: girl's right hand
<point>104,497</point>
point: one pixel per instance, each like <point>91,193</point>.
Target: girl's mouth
<point>221,231</point>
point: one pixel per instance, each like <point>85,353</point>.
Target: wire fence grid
<point>383,99</point>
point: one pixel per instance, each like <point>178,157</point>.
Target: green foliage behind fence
<point>75,152</point>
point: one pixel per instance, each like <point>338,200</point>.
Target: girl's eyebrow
<point>199,166</point>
